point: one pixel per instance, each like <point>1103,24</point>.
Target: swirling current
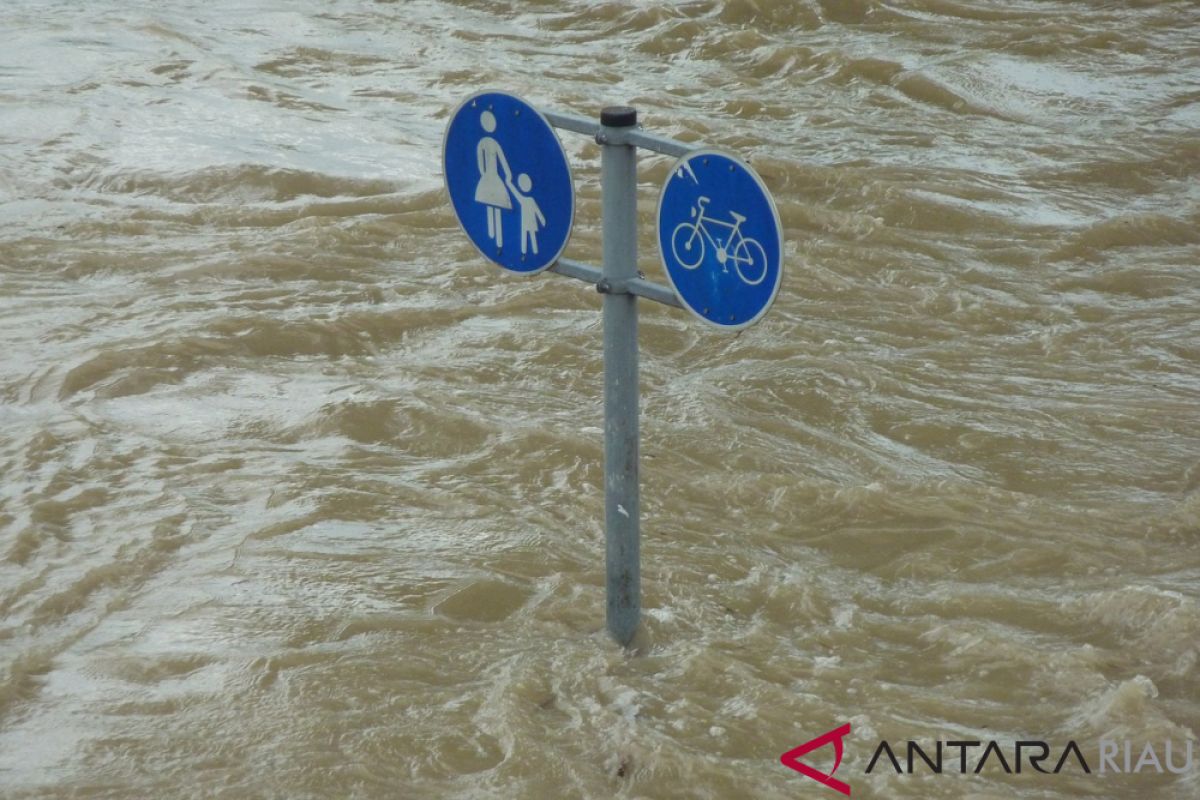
<point>301,498</point>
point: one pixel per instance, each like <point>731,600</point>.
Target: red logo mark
<point>792,759</point>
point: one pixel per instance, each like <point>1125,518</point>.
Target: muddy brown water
<point>302,499</point>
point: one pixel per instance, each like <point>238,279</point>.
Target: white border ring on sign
<point>566,162</point>
<point>679,164</point>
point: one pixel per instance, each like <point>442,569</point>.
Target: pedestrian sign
<point>509,181</point>
<point>720,239</point>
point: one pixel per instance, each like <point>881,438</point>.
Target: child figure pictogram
<point>532,219</point>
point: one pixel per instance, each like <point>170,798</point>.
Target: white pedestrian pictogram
<point>688,244</point>
<point>494,191</point>
<point>490,191</point>
<point>532,218</point>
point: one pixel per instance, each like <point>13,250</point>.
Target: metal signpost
<point>720,240</point>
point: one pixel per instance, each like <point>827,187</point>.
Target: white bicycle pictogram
<point>748,256</point>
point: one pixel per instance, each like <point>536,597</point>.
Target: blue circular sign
<point>509,181</point>
<point>720,239</point>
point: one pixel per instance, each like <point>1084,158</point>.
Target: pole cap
<point>619,117</point>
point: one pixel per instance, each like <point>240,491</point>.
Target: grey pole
<point>618,187</point>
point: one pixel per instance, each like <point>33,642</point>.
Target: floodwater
<point>301,498</point>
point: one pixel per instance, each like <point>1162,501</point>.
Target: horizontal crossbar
<point>637,138</point>
<point>632,136</point>
<point>638,286</point>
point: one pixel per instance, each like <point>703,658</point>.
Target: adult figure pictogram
<point>491,191</point>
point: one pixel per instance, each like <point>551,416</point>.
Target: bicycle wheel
<point>687,245</point>
<point>750,261</point>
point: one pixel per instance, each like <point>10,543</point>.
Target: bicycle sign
<point>720,239</point>
<point>687,245</point>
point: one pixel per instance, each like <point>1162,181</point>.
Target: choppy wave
<point>301,498</point>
